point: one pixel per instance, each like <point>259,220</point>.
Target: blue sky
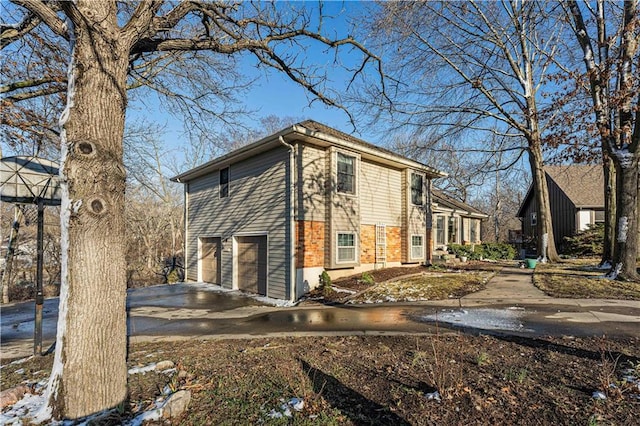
<point>272,92</point>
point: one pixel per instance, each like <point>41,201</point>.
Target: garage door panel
<point>210,260</point>
<point>252,264</point>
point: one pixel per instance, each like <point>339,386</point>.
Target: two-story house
<point>271,216</point>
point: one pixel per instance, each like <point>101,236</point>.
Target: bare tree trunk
<point>608,247</point>
<point>91,339</point>
<point>546,242</point>
<point>625,253</point>
<point>8,264</point>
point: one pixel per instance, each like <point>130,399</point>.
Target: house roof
<point>442,199</point>
<point>582,184</point>
<point>313,132</point>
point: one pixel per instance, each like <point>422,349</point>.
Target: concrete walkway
<point>515,286</point>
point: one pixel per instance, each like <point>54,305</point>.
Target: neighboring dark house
<point>576,196</point>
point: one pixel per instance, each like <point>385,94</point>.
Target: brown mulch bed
<point>389,380</point>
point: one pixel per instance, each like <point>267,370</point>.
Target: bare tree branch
<point>46,13</point>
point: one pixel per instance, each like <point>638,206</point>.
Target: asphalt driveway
<point>187,311</point>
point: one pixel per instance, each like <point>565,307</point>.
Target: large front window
<point>346,247</point>
<point>346,174</point>
<point>416,189</point>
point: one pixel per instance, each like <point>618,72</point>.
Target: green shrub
<point>499,251</point>
<point>367,278</point>
<point>585,243</point>
<point>325,283</point>
<point>495,251</point>
<point>469,251</point>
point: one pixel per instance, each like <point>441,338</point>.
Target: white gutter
<point>292,218</point>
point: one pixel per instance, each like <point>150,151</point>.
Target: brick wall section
<point>368,244</point>
<point>310,243</point>
<point>394,244</point>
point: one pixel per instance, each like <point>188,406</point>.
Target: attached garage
<point>210,260</point>
<point>252,264</point>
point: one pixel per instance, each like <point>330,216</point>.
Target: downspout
<point>292,218</point>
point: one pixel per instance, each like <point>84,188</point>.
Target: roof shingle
<point>584,185</point>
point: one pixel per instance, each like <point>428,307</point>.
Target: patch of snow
<point>19,371</point>
<point>483,318</point>
<point>206,286</point>
<point>433,396</point>
<point>27,408</point>
<point>599,395</point>
<point>613,274</point>
<point>142,370</point>
<point>17,362</point>
<point>65,216</point>
<point>296,404</point>
<point>624,157</point>
<point>623,229</point>
<point>605,266</point>
<point>273,302</point>
<point>344,290</point>
<point>147,416</point>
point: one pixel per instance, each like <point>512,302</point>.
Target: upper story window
<point>224,182</point>
<point>417,189</point>
<point>534,219</point>
<point>346,174</point>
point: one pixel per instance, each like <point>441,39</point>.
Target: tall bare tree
<point>474,66</point>
<point>108,40</point>
<point>609,38</point>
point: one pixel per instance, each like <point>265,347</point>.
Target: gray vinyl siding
<point>342,210</point>
<point>414,222</point>
<point>311,187</point>
<point>258,202</point>
<point>380,199</point>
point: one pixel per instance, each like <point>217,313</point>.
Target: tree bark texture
<point>545,245</point>
<point>11,249</point>
<point>627,220</point>
<point>608,247</point>
<point>91,341</point>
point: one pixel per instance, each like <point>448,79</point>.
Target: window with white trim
<point>346,247</point>
<point>224,182</point>
<point>440,230</point>
<point>473,230</point>
<point>417,190</point>
<point>417,247</point>
<point>346,174</point>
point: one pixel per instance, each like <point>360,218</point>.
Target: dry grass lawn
<point>426,286</point>
<point>578,279</point>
